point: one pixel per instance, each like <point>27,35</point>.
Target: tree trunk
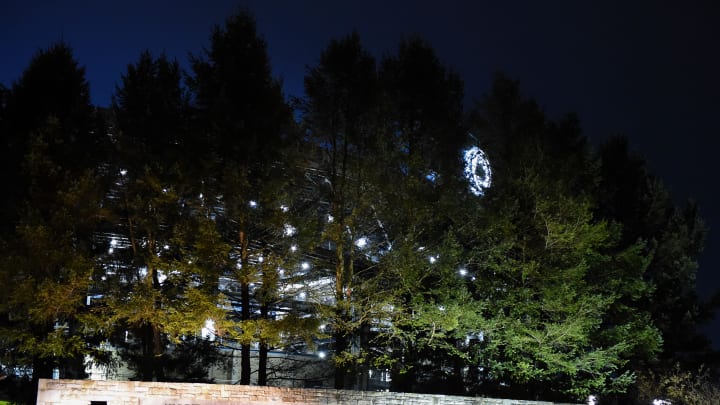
<point>340,335</point>
<point>157,358</point>
<point>245,309</point>
<point>263,355</point>
<point>340,346</point>
<point>262,364</point>
<point>363,368</point>
<point>245,347</point>
<point>42,368</point>
<point>146,369</point>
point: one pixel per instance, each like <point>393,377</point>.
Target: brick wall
<point>87,392</point>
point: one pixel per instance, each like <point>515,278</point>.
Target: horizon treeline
<point>203,210</point>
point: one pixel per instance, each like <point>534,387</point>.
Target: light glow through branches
<point>477,170</point>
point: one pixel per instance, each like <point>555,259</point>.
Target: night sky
<point>646,69</point>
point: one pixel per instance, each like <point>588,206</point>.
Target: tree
<point>424,104</point>
<point>48,215</point>
<point>419,189</point>
<point>164,256</point>
<point>560,298</point>
<point>340,114</point>
<point>49,260</point>
<point>674,238</point>
<point>247,122</point>
<point>53,85</point>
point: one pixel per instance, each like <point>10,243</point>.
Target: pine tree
<point>164,256</point>
<point>49,260</point>
<point>340,114</point>
<point>560,297</point>
<point>674,238</point>
<point>248,125</point>
<point>51,208</point>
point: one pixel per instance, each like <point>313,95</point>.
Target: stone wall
<point>88,392</point>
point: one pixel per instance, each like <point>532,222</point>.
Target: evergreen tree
<point>52,204</point>
<point>340,115</point>
<point>52,86</point>
<point>246,120</point>
<point>422,111</point>
<point>674,238</point>
<point>560,297</point>
<point>49,260</point>
<point>424,106</point>
<point>164,256</point>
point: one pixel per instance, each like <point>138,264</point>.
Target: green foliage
<point>572,275</point>
<point>543,314</point>
<point>562,313</point>
<point>49,261</point>
<point>679,386</point>
<point>250,160</point>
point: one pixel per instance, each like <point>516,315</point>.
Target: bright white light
<point>462,271</point>
<point>432,259</point>
<point>289,230</point>
<point>111,250</point>
<point>362,242</point>
<point>330,219</point>
<point>164,190</point>
<point>208,331</point>
<point>253,204</point>
<point>305,265</point>
<point>261,259</point>
<point>477,170</point>
<point>123,172</point>
<point>201,196</point>
<point>284,208</point>
<point>113,242</point>
<point>166,247</point>
<point>293,248</point>
<point>321,355</point>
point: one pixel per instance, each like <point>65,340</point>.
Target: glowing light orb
<point>477,170</point>
<point>208,331</point>
<point>362,242</point>
<point>289,230</point>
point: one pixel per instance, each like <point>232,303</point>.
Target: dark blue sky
<point>646,69</point>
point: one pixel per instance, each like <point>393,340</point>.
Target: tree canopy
<point>203,212</point>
